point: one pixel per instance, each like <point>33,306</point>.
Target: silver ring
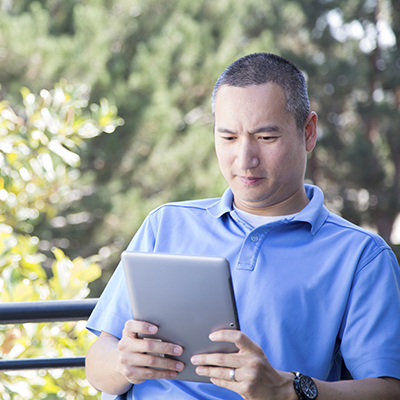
<point>232,374</point>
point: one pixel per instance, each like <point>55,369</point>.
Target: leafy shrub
<point>39,158</point>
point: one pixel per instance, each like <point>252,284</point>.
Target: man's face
<point>260,151</point>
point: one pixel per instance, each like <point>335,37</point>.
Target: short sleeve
<point>113,308</point>
<point>370,334</point>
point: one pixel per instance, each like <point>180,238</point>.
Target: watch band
<point>304,386</point>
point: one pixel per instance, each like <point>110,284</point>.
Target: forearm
<point>101,367</point>
<point>363,389</point>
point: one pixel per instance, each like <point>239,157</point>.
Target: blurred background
<point>156,63</point>
<point>105,114</point>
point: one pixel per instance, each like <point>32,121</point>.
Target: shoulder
<point>182,206</point>
<point>345,225</point>
<point>338,223</point>
<point>335,227</point>
<point>178,227</point>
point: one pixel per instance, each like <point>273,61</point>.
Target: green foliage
<point>38,164</point>
<point>158,61</point>
<point>38,147</point>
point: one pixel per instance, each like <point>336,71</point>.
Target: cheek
<point>224,157</point>
<point>291,155</point>
<point>293,163</point>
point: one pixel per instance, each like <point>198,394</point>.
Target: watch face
<point>308,387</point>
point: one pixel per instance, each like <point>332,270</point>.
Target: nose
<point>247,155</point>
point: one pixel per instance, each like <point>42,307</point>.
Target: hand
<point>136,365</point>
<point>255,378</point>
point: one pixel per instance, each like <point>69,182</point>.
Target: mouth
<point>249,180</point>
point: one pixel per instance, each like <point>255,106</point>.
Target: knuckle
<point>148,346</point>
<point>221,382</point>
<point>170,349</point>
<point>129,372</point>
<point>129,325</point>
<point>122,344</point>
<point>149,373</point>
<point>165,375</point>
<point>125,371</point>
<point>239,337</point>
<point>138,375</point>
<point>253,372</point>
<point>219,373</point>
<point>123,359</point>
<point>248,388</point>
<point>171,364</point>
<point>254,366</point>
<point>219,359</point>
<point>151,361</point>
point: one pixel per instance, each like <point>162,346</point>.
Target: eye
<point>228,138</point>
<point>267,138</point>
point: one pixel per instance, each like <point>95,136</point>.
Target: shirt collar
<point>314,213</point>
<point>222,205</point>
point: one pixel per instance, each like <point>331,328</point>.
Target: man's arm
<point>363,389</point>
<point>113,365</point>
<point>256,379</point>
<point>101,366</point>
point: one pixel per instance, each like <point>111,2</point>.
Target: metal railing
<point>45,311</point>
<point>55,311</point>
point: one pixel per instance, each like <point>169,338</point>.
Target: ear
<point>310,130</point>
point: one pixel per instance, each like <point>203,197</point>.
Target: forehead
<point>252,104</point>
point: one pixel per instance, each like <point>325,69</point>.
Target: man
<point>311,288</point>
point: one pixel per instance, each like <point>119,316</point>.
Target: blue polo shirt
<point>309,289</point>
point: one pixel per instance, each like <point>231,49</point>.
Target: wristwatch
<point>304,386</point>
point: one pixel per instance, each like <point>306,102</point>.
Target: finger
<point>155,346</point>
<point>242,341</point>
<point>151,361</point>
<point>137,367</point>
<point>133,345</point>
<point>224,383</point>
<point>133,327</point>
<point>139,374</point>
<point>218,373</point>
<point>228,360</point>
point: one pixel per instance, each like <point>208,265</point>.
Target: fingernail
<point>200,370</point>
<point>179,366</point>
<point>194,360</point>
<point>152,329</point>
<point>173,374</point>
<point>212,336</point>
<point>177,350</point>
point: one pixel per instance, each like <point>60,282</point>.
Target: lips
<point>249,180</point>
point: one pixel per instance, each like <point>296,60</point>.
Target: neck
<point>291,205</point>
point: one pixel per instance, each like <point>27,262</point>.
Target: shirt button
<point>254,238</point>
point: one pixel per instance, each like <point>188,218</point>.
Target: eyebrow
<point>268,128</point>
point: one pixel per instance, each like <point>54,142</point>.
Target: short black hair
<point>261,68</point>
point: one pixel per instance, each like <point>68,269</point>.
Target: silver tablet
<point>187,297</point>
